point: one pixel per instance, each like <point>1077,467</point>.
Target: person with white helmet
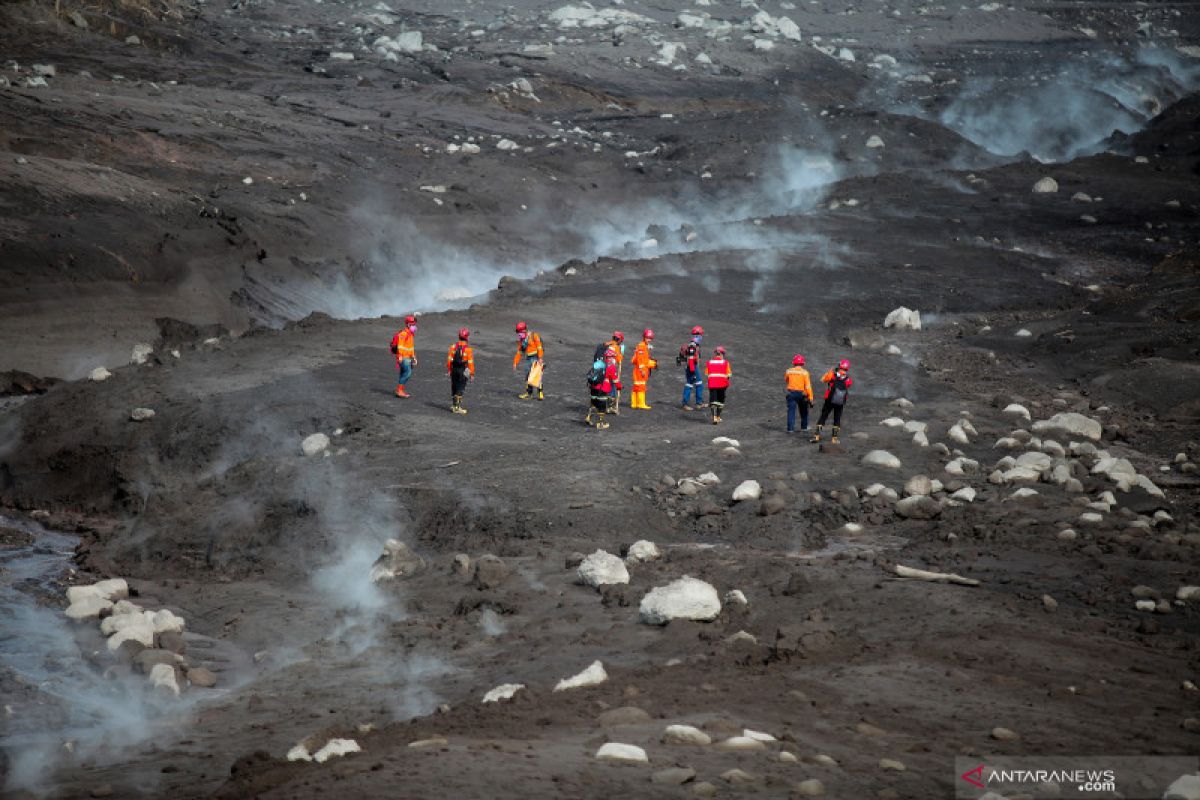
<point>837,391</point>
<point>643,365</point>
<point>799,393</point>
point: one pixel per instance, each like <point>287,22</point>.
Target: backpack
<point>686,353</point>
<point>838,392</point>
<point>596,374</point>
<point>459,362</point>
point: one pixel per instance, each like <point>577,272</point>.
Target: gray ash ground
<point>386,183</point>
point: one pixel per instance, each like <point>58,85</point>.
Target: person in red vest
<point>460,366</point>
<point>837,391</point>
<point>405,350</point>
<point>719,372</point>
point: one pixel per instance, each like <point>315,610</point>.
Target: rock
<point>397,562</point>
<point>490,572</point>
<point>892,422</point>
<point>708,479</point>
<point>1049,603</point>
<point>772,505</point>
<point>747,490</point>
<point>1185,787</point>
<point>99,374</point>
<point>809,788</point>
<point>1072,423</point>
<point>141,354</point>
<point>686,598</point>
<point>335,748</point>
<point>786,757</point>
<point>163,676</point>
<point>594,675</point>
<point>704,789</point>
<point>1045,186</point>
<point>788,29</point>
<point>461,563</point>
<point>918,507</point>
<point>78,20</point>
<point>141,414</point>
<point>881,458</point>
<point>726,441</point>
<point>1022,494</point>
<point>602,569</point>
<point>113,589</point>
<point>314,444</point>
<point>673,776</point>
<point>504,691</point>
<point>875,143</point>
<point>902,318</point>
<point>933,577</point>
<point>958,434</point>
<point>891,764</point>
<point>89,607</point>
<point>1018,411</point>
<point>163,621</point>
<point>201,677</point>
<point>736,596</point>
<point>1024,333</point>
<point>1090,518</point>
<point>148,659</point>
<point>1187,593</point>
<point>685,735</point>
<point>920,439</point>
<point>642,550</point>
<point>506,144</point>
<point>134,39</point>
<point>625,715</point>
<point>622,753</point>
<point>918,485</point>
<point>964,495</point>
<point>1146,605</point>
<point>741,743</point>
<point>1005,735</point>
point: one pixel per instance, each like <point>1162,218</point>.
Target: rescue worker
<point>603,380</point>
<point>529,347</point>
<point>617,345</point>
<point>718,372</point>
<point>460,366</point>
<point>799,393</point>
<point>689,358</point>
<point>643,365</point>
<point>404,348</point>
<point>837,390</point>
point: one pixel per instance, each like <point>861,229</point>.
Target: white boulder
<point>622,753</point>
<point>99,374</point>
<point>1046,185</point>
<point>881,458</point>
<point>141,414</point>
<point>685,734</point>
<point>504,691</point>
<point>141,354</point>
<point>875,143</point>
<point>1185,787</point>
<point>747,490</point>
<point>892,422</point>
<point>1071,422</point>
<point>643,550</point>
<point>335,748</point>
<point>964,495</point>
<point>594,675</point>
<point>685,598</point>
<point>1017,410</point>
<point>163,676</point>
<point>88,607</point>
<point>601,569</point>
<point>902,318</point>
<point>314,444</point>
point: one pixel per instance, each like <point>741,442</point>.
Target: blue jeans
<point>405,367</point>
<point>692,380</point>
<point>797,400</point>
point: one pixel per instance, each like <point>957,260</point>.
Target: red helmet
<point>410,320</point>
<point>844,364</point>
<point>797,360</point>
<point>464,333</point>
<point>720,350</point>
<point>697,331</point>
<point>618,336</point>
<point>648,334</point>
<point>522,327</point>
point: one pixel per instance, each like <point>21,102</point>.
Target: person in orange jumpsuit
<point>643,365</point>
<point>529,347</point>
<point>719,373</point>
<point>404,348</point>
<point>799,393</point>
<point>460,366</point>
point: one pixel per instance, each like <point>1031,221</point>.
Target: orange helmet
<point>697,331</point>
<point>797,360</point>
<point>648,334</point>
<point>464,333</point>
<point>522,327</point>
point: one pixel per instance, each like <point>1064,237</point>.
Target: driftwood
<point>935,577</point>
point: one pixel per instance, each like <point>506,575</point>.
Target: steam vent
<point>486,400</point>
